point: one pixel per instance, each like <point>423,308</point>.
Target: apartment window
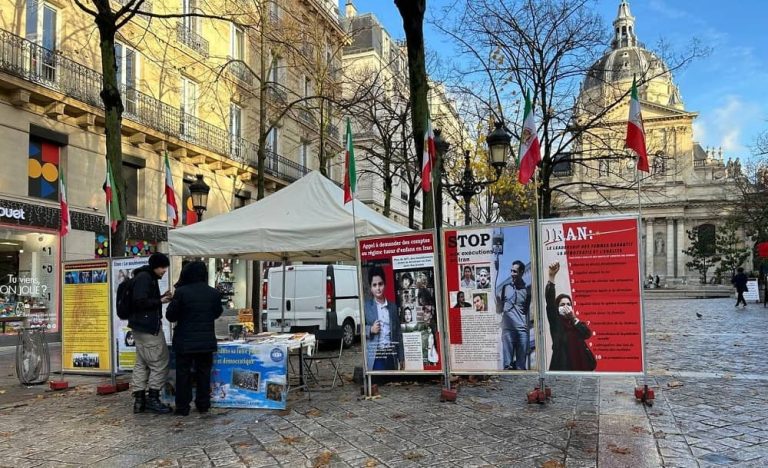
<point>237,46</point>
<point>274,11</point>
<point>190,22</point>
<point>42,29</point>
<point>304,154</point>
<point>603,169</point>
<point>188,106</point>
<point>131,178</point>
<point>273,140</point>
<point>126,59</point>
<point>242,198</point>
<point>235,128</point>
<point>307,87</point>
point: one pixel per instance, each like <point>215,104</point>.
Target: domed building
<point>688,186</point>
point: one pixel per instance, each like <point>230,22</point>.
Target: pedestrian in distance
<point>739,281</point>
<point>151,368</point>
<point>194,309</point>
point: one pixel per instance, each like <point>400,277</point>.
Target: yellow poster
<point>85,334</point>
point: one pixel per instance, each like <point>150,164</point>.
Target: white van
<point>323,297</point>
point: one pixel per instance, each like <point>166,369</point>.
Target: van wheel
<point>349,333</point>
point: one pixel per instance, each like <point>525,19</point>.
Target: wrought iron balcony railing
<point>240,70</point>
<point>306,116</point>
<point>191,39</point>
<point>146,6</point>
<point>31,62</point>
<point>276,92</point>
<point>333,131</point>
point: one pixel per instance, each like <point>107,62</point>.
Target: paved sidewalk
<point>711,410</point>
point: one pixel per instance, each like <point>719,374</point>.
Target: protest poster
<point>85,337</point>
<point>753,290</point>
<point>122,269</point>
<point>491,302</point>
<point>397,282</point>
<point>592,286</point>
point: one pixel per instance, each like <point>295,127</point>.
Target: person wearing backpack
<point>194,308</point>
<point>146,314</point>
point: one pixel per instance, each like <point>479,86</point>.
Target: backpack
<point>124,299</point>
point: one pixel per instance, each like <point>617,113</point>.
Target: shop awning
<point>306,221</point>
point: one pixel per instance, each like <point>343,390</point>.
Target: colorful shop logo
<point>277,354</point>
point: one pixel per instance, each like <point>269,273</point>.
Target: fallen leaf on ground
<point>5,434</point>
<point>322,460</point>
<point>165,462</point>
<point>675,384</point>
<point>570,424</point>
<point>414,456</point>
<point>380,430</point>
<point>399,416</point>
<point>638,430</point>
<point>553,464</point>
<point>616,449</point>
<point>290,440</point>
<point>314,412</point>
<point>660,435</point>
<point>371,463</point>
<point>728,376</point>
<point>2,392</point>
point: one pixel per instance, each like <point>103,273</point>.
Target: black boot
<point>154,404</point>
<point>139,401</point>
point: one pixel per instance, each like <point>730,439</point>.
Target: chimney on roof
<point>349,10</point>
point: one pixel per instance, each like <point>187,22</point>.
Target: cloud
<point>725,124</point>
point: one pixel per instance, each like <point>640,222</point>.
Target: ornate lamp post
<point>198,190</point>
<point>498,148</point>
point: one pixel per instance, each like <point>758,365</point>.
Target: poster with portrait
<point>491,301</point>
<point>397,282</point>
<point>592,286</point>
<point>85,337</point>
<point>122,269</point>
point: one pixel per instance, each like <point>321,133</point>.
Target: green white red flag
<point>350,175</point>
<point>530,151</point>
<point>66,220</point>
<point>636,132</point>
<point>170,195</point>
<point>428,157</point>
<point>113,214</point>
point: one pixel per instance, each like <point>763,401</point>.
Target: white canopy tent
<point>306,221</point>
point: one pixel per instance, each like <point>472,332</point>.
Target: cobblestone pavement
<point>711,410</point>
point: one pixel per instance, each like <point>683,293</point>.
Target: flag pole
<point>541,354</point>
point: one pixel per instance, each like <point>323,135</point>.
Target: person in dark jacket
<point>569,349</point>
<point>739,281</point>
<point>194,309</point>
<point>151,368</point>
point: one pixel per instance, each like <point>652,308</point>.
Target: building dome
<point>628,58</point>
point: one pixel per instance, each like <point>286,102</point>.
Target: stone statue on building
<point>659,244</point>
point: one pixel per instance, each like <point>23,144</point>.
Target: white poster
<point>753,291</point>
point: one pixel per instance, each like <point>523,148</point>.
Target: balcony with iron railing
<point>145,7</point>
<point>24,59</point>
<point>187,36</point>
<point>240,70</point>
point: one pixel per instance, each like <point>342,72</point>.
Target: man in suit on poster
<point>384,347</point>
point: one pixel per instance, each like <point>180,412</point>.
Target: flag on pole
<point>530,151</point>
<point>113,208</point>
<point>428,157</point>
<point>350,175</point>
<point>636,132</point>
<point>66,220</point>
<point>170,195</point>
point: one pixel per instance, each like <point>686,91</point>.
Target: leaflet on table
<point>122,269</point>
<point>402,334</point>
<point>491,324</point>
<point>85,336</point>
<point>592,285</point>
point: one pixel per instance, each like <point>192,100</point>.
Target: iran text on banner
<point>350,175</point>
<point>635,132</point>
<point>66,220</point>
<point>530,152</point>
<point>113,214</point>
<point>170,195</point>
<point>428,157</point>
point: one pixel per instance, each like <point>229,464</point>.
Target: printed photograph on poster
<point>592,295</point>
<point>85,360</point>
<point>399,304</point>
<point>491,324</point>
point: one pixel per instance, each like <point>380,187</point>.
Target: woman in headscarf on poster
<point>569,334</point>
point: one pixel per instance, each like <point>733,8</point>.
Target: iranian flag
<point>428,157</point>
<point>530,151</point>
<point>350,175</point>
<point>113,208</point>
<point>636,132</point>
<point>170,195</point>
<point>66,220</point>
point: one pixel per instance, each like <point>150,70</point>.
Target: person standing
<point>382,331</point>
<point>570,351</point>
<point>515,300</point>
<point>739,281</point>
<point>194,308</point>
<point>151,368</point>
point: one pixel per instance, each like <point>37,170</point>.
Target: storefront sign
<point>85,337</point>
<point>11,213</point>
<point>402,333</point>
<point>592,285</point>
<point>491,306</point>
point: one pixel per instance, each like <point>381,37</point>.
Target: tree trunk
<point>387,173</point>
<point>321,153</point>
<point>113,115</point>
<point>412,13</point>
<point>260,151</point>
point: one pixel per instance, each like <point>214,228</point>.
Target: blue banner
<point>250,376</point>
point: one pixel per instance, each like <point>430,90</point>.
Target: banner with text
<point>491,324</point>
<point>397,282</point>
<point>122,269</point>
<point>592,286</point>
<point>85,337</point>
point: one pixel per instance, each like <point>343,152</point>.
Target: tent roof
<point>306,221</point>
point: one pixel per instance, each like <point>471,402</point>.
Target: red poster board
<point>592,285</point>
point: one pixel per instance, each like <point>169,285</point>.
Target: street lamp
<point>498,147</point>
<point>198,190</point>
